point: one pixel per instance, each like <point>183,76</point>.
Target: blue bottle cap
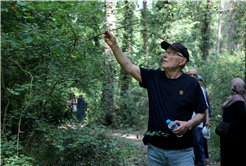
<point>168,121</point>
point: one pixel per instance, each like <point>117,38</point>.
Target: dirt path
<point>140,153</point>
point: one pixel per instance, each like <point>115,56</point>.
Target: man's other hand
<point>182,129</point>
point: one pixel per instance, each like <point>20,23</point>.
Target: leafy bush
<point>8,152</point>
<point>70,145</point>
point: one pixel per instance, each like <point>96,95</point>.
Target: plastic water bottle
<point>172,125</point>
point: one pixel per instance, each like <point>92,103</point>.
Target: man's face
<point>193,73</point>
<point>170,59</point>
<point>200,82</point>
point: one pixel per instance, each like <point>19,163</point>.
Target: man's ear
<point>183,61</point>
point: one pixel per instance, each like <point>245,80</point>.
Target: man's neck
<point>173,74</point>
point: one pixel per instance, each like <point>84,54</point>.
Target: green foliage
<point>17,160</point>
<point>157,133</point>
<point>43,55</point>
<point>51,48</point>
<point>8,151</point>
<point>70,145</point>
<point>238,22</point>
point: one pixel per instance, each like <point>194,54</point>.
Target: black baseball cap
<point>177,46</point>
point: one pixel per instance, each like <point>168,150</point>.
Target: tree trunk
<point>197,24</point>
<point>196,18</point>
<point>229,29</point>
<point>206,31</point>
<point>146,42</point>
<point>126,46</point>
<point>125,78</point>
<point>229,37</point>
<point>108,89</point>
<point>219,29</point>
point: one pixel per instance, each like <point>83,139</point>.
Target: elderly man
<point>198,140</point>
<point>208,122</point>
<point>172,95</point>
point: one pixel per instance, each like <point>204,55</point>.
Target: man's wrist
<point>115,46</point>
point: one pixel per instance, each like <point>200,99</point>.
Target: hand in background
<point>208,123</point>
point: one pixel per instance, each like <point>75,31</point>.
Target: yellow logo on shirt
<point>181,92</point>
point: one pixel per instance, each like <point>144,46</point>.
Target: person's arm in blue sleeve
<point>209,107</point>
<point>208,121</point>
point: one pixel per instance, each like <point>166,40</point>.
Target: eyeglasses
<point>172,52</point>
<point>190,74</point>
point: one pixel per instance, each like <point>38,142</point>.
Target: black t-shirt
<point>173,99</point>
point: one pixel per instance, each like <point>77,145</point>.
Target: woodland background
<point>50,49</point>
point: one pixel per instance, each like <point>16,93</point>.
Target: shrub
<point>69,145</point>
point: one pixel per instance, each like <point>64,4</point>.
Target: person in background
<point>232,146</point>
<point>81,108</point>
<point>198,139</point>
<point>172,95</point>
<point>73,105</point>
<point>208,122</point>
<point>73,102</point>
<point>72,96</point>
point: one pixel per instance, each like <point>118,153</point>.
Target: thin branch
<point>75,41</point>
<point>5,113</point>
<point>18,137</point>
<point>4,136</point>
<point>6,108</point>
<point>120,28</point>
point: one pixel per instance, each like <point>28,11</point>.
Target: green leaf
<point>22,3</point>
<point>13,92</point>
<point>56,49</point>
<point>4,10</point>
<point>28,39</point>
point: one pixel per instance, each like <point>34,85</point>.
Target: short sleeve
<point>144,76</point>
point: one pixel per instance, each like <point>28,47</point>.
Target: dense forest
<point>50,49</point>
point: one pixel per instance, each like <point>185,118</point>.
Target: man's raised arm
<point>122,59</point>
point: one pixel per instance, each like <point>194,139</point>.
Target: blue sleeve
<point>209,108</point>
